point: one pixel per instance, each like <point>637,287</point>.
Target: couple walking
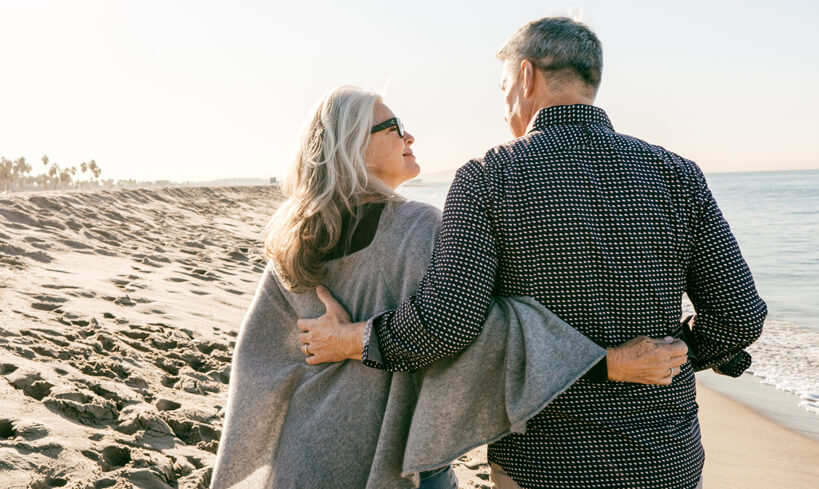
<point>539,314</point>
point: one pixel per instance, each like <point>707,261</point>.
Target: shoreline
<point>773,404</point>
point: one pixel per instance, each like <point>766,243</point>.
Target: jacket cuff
<point>733,367</point>
<point>371,349</point>
<point>599,372</point>
<point>736,366</point>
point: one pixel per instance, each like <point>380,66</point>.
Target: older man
<point>608,232</point>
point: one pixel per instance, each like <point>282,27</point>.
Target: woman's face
<point>388,155</point>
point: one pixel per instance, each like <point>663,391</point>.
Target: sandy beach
<point>118,314</point>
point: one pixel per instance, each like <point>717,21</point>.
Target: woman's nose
<point>408,138</point>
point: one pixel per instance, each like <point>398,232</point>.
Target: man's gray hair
<point>559,45</point>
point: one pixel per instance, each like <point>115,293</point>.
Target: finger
<point>330,302</point>
<point>326,298</point>
<point>669,376</point>
<point>304,338</point>
<point>314,360</point>
<point>305,324</point>
<point>669,339</point>
<point>675,349</point>
<point>678,361</point>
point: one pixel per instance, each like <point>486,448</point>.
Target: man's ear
<point>527,70</point>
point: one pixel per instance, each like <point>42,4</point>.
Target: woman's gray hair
<point>327,180</point>
<point>558,45</point>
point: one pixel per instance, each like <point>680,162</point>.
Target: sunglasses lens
<point>394,122</point>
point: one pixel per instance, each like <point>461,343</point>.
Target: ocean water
<point>775,218</point>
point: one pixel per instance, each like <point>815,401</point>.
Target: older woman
<point>291,423</point>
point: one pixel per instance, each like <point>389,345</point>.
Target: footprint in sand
<point>12,251</point>
<point>82,407</point>
<point>202,274</point>
<point>59,287</point>
<point>7,368</point>
<point>48,481</point>
<point>76,245</point>
<point>47,306</point>
<point>73,225</point>
<point>45,203</point>
<point>119,282</point>
<point>30,382</point>
<point>114,456</point>
<point>7,430</point>
<point>16,217</point>
<point>238,256</point>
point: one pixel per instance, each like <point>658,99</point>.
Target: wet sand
<point>744,449</point>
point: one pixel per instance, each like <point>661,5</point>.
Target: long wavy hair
<point>327,180</point>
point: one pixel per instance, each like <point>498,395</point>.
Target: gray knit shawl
<point>343,425</point>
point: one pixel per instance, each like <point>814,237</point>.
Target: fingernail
<point>668,339</point>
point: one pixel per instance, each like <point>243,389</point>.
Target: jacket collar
<point>568,114</point>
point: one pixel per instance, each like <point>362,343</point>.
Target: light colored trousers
<point>500,480</point>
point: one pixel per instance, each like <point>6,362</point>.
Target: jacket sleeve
<point>730,312</point>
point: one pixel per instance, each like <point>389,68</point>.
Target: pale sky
<point>201,90</point>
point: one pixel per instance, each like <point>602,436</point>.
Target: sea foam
<point>787,356</point>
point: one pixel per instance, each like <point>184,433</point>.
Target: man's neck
<point>554,100</point>
<point>568,97</point>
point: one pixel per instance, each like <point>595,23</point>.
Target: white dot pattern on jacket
<point>608,232</point>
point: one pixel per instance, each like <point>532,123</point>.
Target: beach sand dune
<point>118,313</point>
<point>118,317</point>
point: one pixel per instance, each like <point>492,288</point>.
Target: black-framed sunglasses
<point>389,123</point>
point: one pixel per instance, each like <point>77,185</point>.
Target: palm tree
<point>65,176</point>
<point>41,180</point>
<point>19,171</point>
<point>83,169</point>
<point>95,169</point>
<point>5,173</point>
<point>54,174</point>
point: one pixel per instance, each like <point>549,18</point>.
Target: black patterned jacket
<point>608,232</point>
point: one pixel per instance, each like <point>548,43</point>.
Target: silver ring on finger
<point>670,371</point>
<point>304,349</point>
